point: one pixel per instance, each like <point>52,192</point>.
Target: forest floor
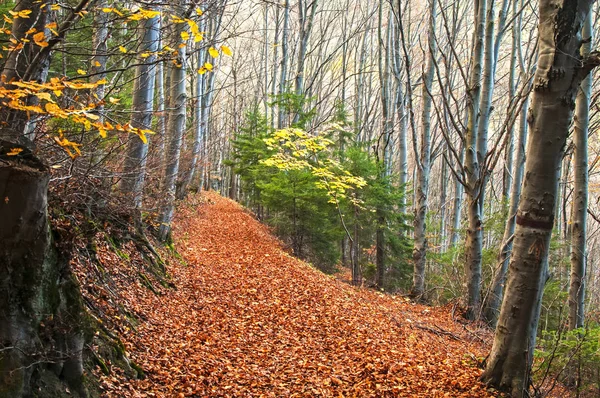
<point>247,319</point>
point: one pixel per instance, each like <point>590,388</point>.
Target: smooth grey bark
<point>423,165</point>
<point>266,59</point>
<point>474,239</point>
<point>382,143</point>
<point>274,66</point>
<point>492,310</point>
<point>492,48</point>
<point>307,16</point>
<point>284,62</point>
<point>161,119</point>
<point>443,244</point>
<point>204,91</point>
<point>99,44</point>
<point>206,103</point>
<point>457,205</point>
<point>559,73</point>
<point>512,175</point>
<point>134,167</point>
<point>580,190</point>
<point>485,103</point>
<point>175,130</point>
<point>401,116</point>
<point>507,174</point>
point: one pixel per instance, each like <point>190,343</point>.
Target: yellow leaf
<point>102,81</point>
<point>149,14</point>
<point>199,11</point>
<point>44,96</point>
<point>20,14</point>
<point>79,86</point>
<point>81,71</point>
<point>122,49</point>
<point>141,133</point>
<point>176,19</point>
<point>114,100</point>
<point>208,66</point>
<point>226,50</point>
<point>55,110</point>
<point>97,64</point>
<point>40,39</point>
<point>213,52</point>
<point>55,7</point>
<point>185,36</point>
<point>14,151</point>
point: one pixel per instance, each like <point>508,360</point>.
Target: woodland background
<point>386,137</point>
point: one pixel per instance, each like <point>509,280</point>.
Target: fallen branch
<point>438,331</point>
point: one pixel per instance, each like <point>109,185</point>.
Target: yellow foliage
<point>226,50</point>
<point>20,14</point>
<point>14,151</point>
<point>213,52</point>
<point>40,39</point>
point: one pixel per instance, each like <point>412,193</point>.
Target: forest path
<point>247,319</point>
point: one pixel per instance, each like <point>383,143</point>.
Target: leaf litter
<point>246,319</point>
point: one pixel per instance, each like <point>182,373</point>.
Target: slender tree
<point>134,168</point>
<point>175,130</point>
<point>580,191</point>
<point>424,163</point>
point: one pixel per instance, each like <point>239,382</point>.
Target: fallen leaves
<point>247,319</point>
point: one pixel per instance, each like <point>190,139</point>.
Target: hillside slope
<point>247,319</point>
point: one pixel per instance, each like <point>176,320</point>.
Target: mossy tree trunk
<point>40,307</point>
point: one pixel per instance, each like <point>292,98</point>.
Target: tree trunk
<point>134,168</point>
<point>423,166</point>
<point>474,241</point>
<point>512,178</point>
<point>20,124</point>
<point>161,119</point>
<point>580,198</point>
<point>457,205</point>
<point>443,206</point>
<point>99,44</point>
<point>558,75</point>
<point>204,87</point>
<point>495,297</point>
<point>175,129</point>
<point>284,62</point>
<point>40,307</point>
<point>306,24</point>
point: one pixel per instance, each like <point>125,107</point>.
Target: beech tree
<point>580,199</point>
<point>134,168</point>
<point>560,70</point>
